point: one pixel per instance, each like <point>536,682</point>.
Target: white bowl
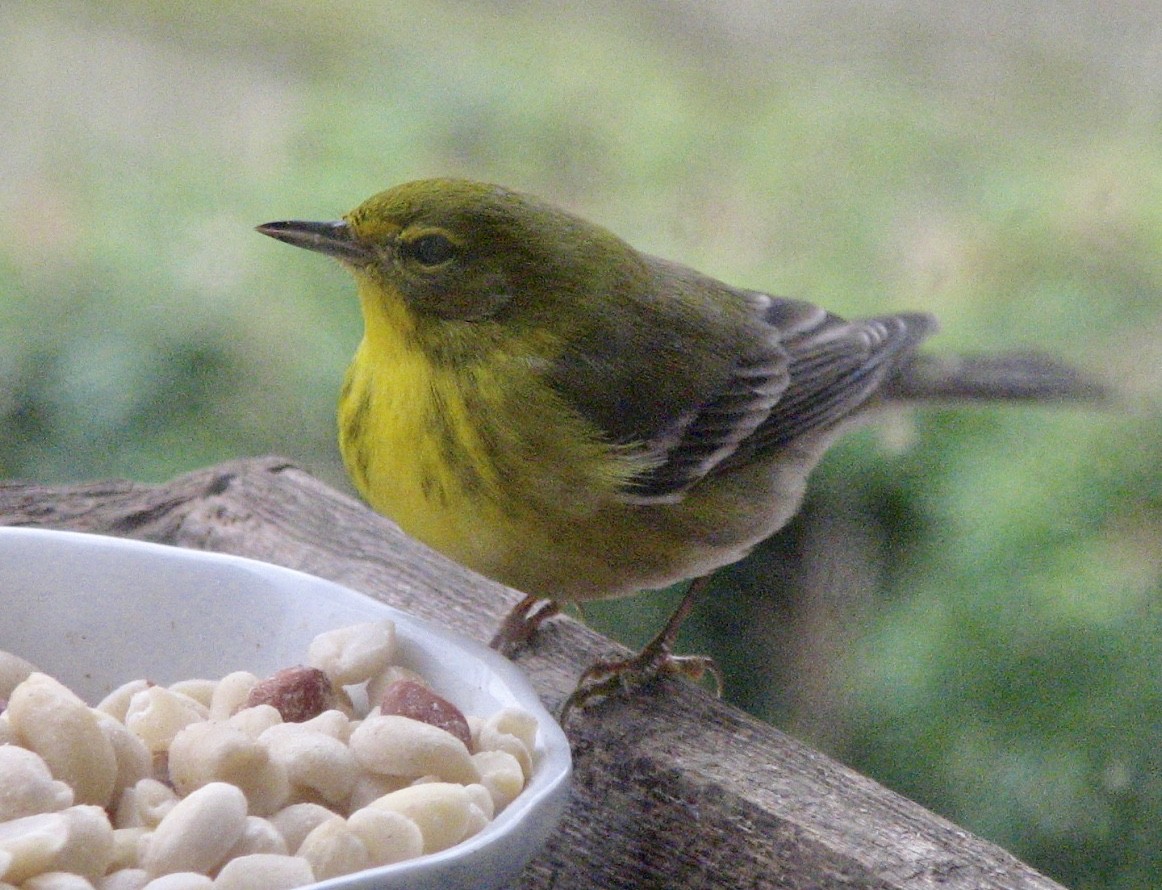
<point>95,611</point>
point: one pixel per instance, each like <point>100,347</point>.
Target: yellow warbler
<point>546,405</point>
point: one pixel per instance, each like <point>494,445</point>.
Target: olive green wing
<point>675,372</point>
<point>693,444</point>
<point>835,367</point>
<point>819,371</point>
<point>693,377</point>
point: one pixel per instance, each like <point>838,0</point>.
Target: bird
<point>576,419</point>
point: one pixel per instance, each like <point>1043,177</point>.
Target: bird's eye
<point>431,250</point>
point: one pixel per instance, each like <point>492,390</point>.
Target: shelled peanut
<point>246,782</point>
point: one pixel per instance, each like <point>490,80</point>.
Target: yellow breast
<point>480,460</point>
<point>407,446</point>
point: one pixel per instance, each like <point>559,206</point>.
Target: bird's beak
<point>332,238</point>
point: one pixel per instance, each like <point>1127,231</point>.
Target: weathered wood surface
<point>672,788</point>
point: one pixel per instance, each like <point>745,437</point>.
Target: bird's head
<point>451,250</point>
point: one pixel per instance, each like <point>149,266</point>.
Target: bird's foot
<point>656,659</point>
<point>522,622</point>
<point>607,678</point>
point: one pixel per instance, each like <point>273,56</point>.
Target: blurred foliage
<point>973,619</point>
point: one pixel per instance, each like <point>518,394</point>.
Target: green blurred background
<point>968,608</point>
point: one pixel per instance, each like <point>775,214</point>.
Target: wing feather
<point>818,369</point>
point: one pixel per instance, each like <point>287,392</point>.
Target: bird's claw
<point>656,660</point>
<point>522,622</point>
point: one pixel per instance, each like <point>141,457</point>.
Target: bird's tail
<point>1013,376</point>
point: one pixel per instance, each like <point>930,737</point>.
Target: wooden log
<point>672,788</point>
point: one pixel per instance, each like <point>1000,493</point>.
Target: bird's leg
<point>655,659</point>
<point>522,622</point>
